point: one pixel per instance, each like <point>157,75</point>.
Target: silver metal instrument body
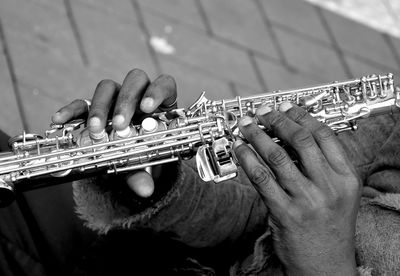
<point>206,129</point>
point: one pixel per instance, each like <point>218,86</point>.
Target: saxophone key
<point>151,125</point>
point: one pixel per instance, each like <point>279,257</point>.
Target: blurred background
<point>53,51</point>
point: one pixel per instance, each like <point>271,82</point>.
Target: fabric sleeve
<point>197,213</point>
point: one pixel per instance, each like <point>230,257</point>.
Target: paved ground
<point>53,51</point>
<point>383,15</point>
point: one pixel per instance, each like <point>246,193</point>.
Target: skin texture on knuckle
<point>259,176</point>
<point>324,133</point>
<point>98,110</point>
<point>278,157</point>
<point>277,120</point>
<point>302,138</point>
<point>254,134</point>
<point>297,114</point>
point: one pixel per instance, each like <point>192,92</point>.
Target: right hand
<point>135,98</point>
<point>313,208</point>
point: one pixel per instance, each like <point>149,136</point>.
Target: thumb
<point>141,183</point>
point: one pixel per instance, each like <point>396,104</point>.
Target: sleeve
<point>378,222</point>
<point>197,213</point>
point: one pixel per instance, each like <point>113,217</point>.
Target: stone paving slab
<point>383,15</point>
<point>360,40</point>
<point>61,49</point>
<point>311,57</point>
<point>113,46</point>
<point>296,16</point>
<point>200,50</point>
<point>181,11</point>
<point>242,24</point>
<point>10,120</point>
<point>191,82</point>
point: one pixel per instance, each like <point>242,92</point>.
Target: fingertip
<point>238,143</point>
<point>119,122</point>
<point>147,105</point>
<point>95,125</point>
<point>141,183</point>
<point>285,106</point>
<point>245,121</point>
<point>57,118</point>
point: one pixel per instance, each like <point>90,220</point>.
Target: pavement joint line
<point>334,43</point>
<point>205,71</point>
<point>75,31</point>
<point>238,46</point>
<point>257,70</point>
<point>145,31</point>
<point>388,40</point>
<point>271,32</point>
<point>13,76</point>
<point>328,45</point>
<point>204,17</point>
<point>232,88</point>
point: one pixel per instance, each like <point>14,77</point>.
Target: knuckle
<point>258,175</point>
<point>277,120</point>
<point>278,157</point>
<point>298,114</point>
<point>302,138</point>
<point>98,109</point>
<point>324,133</point>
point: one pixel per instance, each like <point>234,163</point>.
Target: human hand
<point>313,209</point>
<point>133,99</point>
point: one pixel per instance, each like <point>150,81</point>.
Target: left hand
<point>134,99</point>
<point>313,210</point>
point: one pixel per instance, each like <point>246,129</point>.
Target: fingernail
<point>118,119</point>
<point>285,106</point>
<point>94,122</point>
<point>56,116</point>
<point>95,125</point>
<point>148,104</point>
<point>245,121</point>
<point>264,109</point>
<point>237,143</point>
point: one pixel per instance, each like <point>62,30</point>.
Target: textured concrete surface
<point>53,51</point>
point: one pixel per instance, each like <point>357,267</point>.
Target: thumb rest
<point>207,130</point>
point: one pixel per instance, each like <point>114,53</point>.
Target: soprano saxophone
<point>206,130</point>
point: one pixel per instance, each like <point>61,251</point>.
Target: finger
<point>103,98</point>
<point>141,183</point>
<point>288,176</point>
<point>131,92</point>
<point>160,93</point>
<point>299,138</point>
<point>323,135</point>
<point>262,179</point>
<point>74,110</point>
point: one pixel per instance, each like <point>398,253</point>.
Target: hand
<point>136,96</point>
<point>312,210</point>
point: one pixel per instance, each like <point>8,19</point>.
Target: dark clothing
<point>40,233</point>
<point>189,227</point>
<point>229,214</point>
